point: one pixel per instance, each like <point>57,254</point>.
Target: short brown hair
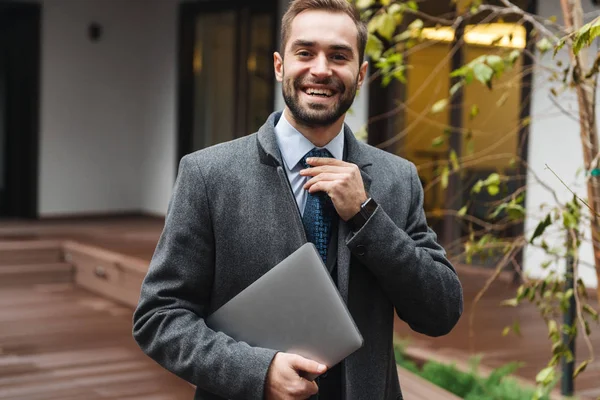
<point>340,6</point>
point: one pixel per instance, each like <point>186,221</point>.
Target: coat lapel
<point>270,155</point>
<point>355,155</point>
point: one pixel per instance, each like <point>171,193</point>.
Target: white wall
<point>90,107</point>
<point>107,108</point>
<point>554,140</point>
<point>159,134</point>
<point>357,118</point>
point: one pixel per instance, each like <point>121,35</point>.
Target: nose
<point>320,67</point>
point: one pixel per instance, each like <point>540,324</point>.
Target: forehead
<point>325,28</point>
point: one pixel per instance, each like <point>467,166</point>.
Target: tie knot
<point>315,153</point>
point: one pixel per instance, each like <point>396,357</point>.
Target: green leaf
<point>493,179</point>
<point>445,175</point>
<point>588,309</point>
<point>463,211</point>
<point>412,5</point>
<point>513,57</point>
<point>569,220</point>
<point>474,111</point>
<point>552,329</point>
<point>560,45</point>
<point>543,45</point>
<point>454,160</point>
<point>374,47</point>
<point>387,26</point>
<point>416,25</point>
<point>506,331</point>
<point>586,35</point>
<point>539,230</point>
<point>455,87</point>
<point>373,24</point>
<point>509,303</point>
<point>580,368</point>
<point>360,4</point>
<point>477,186</point>
<point>588,330</point>
<point>516,327</point>
<point>439,106</point>
<point>395,9</point>
<point>483,73</point>
<point>545,376</point>
<point>438,141</point>
<point>493,190</point>
<point>515,211</point>
<point>498,210</point>
<point>496,63</point>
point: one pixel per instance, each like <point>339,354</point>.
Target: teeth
<point>321,92</point>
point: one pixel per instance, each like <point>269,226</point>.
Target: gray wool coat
<point>232,216</point>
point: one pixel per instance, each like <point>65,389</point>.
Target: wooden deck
<point>61,342</point>
<point>137,237</point>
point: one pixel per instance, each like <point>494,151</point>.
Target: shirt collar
<point>294,145</point>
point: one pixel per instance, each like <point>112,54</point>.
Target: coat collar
<point>270,154</point>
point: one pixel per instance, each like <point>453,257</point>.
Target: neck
<point>317,135</point>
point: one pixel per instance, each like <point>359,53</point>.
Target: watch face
<point>370,206</point>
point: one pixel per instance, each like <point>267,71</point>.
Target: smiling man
<point>241,207</point>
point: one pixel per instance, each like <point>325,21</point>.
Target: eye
<point>303,53</point>
<point>339,57</point>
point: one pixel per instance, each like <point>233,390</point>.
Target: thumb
<point>300,363</point>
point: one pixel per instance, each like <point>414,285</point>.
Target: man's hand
<point>340,180</point>
<point>284,380</point>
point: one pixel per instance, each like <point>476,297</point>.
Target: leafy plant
<point>396,27</point>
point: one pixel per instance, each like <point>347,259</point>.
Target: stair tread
<point>30,268</point>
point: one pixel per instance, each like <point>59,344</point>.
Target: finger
<point>300,363</point>
<point>315,161</point>
<point>324,169</point>
<point>311,388</point>
<point>322,186</point>
<point>319,178</point>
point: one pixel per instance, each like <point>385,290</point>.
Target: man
<point>241,207</point>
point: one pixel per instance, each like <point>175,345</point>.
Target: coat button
<point>360,250</point>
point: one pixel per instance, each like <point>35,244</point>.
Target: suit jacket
<point>233,216</point>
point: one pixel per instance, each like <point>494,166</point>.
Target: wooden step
<point>107,273</point>
<point>30,252</point>
<point>416,388</point>
<point>27,274</point>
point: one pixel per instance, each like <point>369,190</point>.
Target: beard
<point>316,114</point>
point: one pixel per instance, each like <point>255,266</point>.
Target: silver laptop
<point>294,308</point>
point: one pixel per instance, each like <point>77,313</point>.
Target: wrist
<point>367,208</point>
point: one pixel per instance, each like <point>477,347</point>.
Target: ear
<point>278,66</point>
<point>362,73</point>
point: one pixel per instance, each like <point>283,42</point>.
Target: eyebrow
<point>308,43</point>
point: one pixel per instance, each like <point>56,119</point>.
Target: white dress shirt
<point>293,146</point>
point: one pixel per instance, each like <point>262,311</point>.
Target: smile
<point>319,92</point>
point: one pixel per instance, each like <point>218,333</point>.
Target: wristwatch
<point>366,210</point>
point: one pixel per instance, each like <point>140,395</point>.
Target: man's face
<point>320,71</point>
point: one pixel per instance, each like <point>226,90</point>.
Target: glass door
<point>226,71</point>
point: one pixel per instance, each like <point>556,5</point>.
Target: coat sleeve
<point>411,266</point>
<point>168,323</point>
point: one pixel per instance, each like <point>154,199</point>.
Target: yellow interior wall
<point>426,84</point>
<point>494,128</point>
